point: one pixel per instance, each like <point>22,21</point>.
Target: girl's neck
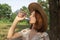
<point>32,29</point>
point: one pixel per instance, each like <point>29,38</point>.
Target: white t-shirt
<point>38,36</point>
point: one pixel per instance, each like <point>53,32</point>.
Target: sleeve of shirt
<point>24,32</point>
<point>46,36</point>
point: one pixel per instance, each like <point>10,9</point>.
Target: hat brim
<point>34,6</point>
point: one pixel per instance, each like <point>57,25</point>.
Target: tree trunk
<point>58,28</point>
<point>54,19</point>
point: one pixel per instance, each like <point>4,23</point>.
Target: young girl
<point>38,22</point>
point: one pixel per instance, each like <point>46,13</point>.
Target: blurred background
<point>10,8</point>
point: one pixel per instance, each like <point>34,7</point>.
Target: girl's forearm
<point>12,29</point>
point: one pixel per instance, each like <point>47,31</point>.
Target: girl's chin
<point>31,23</point>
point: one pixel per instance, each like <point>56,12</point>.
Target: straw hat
<point>35,6</point>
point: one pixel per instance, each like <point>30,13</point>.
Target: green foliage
<point>45,5</point>
<point>12,17</point>
<point>4,20</point>
<point>5,10</point>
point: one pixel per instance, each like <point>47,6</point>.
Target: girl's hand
<point>20,16</point>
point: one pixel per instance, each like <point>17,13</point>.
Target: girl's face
<point>32,18</point>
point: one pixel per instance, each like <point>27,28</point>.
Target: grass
<point>4,27</point>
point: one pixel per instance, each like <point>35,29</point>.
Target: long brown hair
<point>39,25</point>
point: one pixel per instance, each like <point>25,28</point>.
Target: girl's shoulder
<point>43,34</point>
<point>24,31</point>
<point>40,36</point>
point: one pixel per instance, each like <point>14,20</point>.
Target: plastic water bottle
<point>27,18</point>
